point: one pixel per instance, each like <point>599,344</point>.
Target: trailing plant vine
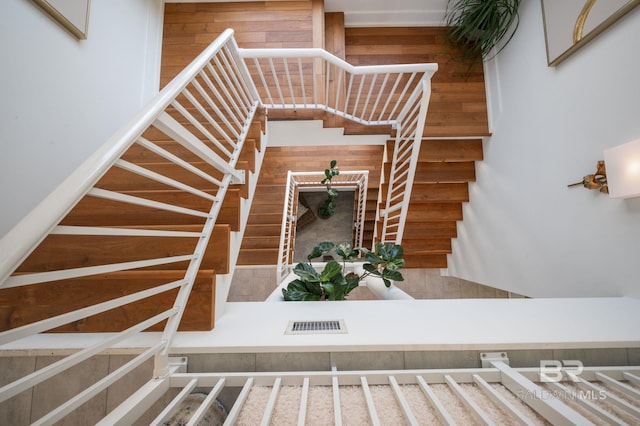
<point>328,206</point>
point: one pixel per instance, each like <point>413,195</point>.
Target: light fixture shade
<point>623,170</point>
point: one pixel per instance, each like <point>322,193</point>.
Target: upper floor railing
<point>316,79</point>
<point>396,95</point>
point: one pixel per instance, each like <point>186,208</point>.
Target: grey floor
<point>337,228</point>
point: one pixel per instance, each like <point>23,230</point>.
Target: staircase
<point>445,167</point>
<point>439,190</point>
<point>457,110</point>
<point>24,305</point>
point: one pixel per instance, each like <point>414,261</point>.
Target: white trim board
<point>461,324</point>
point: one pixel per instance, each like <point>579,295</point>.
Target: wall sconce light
<point>623,165</point>
<point>621,176</point>
<point>598,180</point>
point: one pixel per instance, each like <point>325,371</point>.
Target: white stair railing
<point>403,167</point>
<point>206,112</point>
<point>316,79</point>
<point>396,95</point>
<point>310,181</point>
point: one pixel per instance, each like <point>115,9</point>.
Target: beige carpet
<point>354,408</point>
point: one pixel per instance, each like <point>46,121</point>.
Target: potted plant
<point>328,206</point>
<point>332,283</point>
<point>480,25</point>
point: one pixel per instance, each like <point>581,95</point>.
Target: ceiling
<point>377,13</point>
<point>361,13</point>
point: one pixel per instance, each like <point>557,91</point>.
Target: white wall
<point>524,230</point>
<point>61,98</point>
<point>384,13</point>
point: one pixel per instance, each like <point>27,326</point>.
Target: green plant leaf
<point>328,288</point>
<point>346,252</point>
<point>297,291</point>
<point>321,249</point>
<point>331,269</point>
<point>352,280</point>
<point>395,264</point>
<point>332,193</point>
<point>373,258</point>
<point>333,164</point>
<point>306,272</point>
<point>327,208</point>
<point>479,26</point>
<point>396,252</point>
<point>333,291</point>
<point>392,275</point>
<point>371,269</point>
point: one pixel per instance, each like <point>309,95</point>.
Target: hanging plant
<point>328,206</point>
<point>477,26</point>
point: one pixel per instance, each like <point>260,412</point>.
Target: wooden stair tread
<point>58,252</point>
<point>258,256</point>
<point>256,230</point>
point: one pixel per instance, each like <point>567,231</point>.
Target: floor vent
<point>316,327</point>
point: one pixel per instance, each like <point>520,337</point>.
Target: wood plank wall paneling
<point>190,27</point>
<point>458,101</point>
<point>458,104</point>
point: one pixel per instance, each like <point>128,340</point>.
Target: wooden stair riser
<point>24,305</point>
<point>140,155</point>
<point>447,150</point>
<point>267,230</point>
<point>427,245</point>
<point>425,261</point>
<point>426,229</point>
<point>440,192</point>
<point>445,172</point>
<point>248,155</point>
<point>260,242</point>
<point>93,211</point>
<point>432,212</point>
<point>262,256</point>
<point>118,179</point>
<point>77,251</point>
<point>451,150</point>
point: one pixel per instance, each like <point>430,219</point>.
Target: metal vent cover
<point>316,327</point>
